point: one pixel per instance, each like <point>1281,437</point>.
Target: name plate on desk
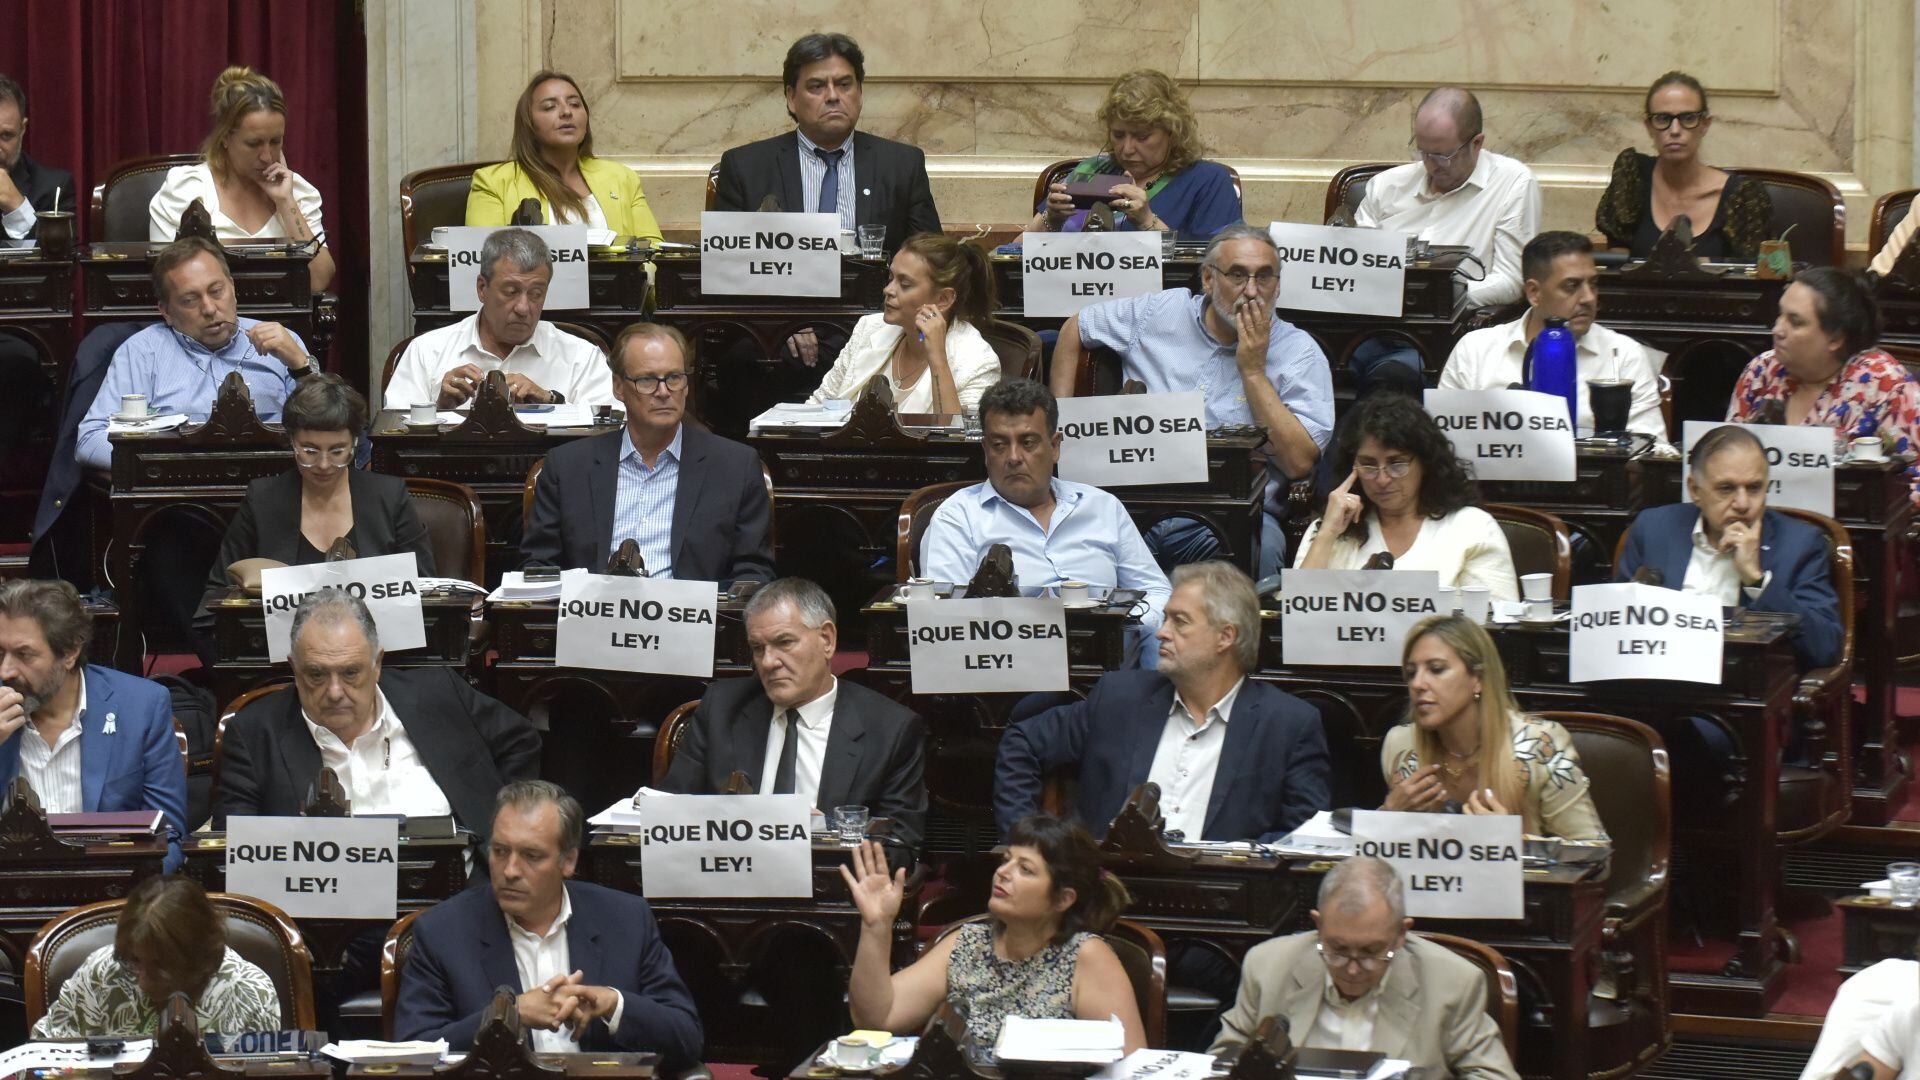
<point>656,626</point>
<point>1352,618</point>
<point>1456,866</point>
<point>1060,273</point>
<point>1133,439</point>
<point>1010,645</point>
<point>317,867</point>
<point>751,254</point>
<point>567,244</point>
<point>726,845</point>
<point>1348,271</point>
<point>1633,631</point>
<point>388,584</point>
<point>1800,463</point>
<point>1507,434</point>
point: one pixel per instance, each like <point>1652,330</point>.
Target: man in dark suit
<point>854,747</point>
<point>419,742</point>
<point>1235,759</point>
<point>1727,544</point>
<point>696,503</point>
<point>27,188</point>
<point>588,961</point>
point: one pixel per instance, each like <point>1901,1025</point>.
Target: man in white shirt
<point>1562,282</point>
<point>1360,982</point>
<point>544,364</point>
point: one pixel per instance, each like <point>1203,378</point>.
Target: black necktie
<point>830,183</point>
<point>783,773</point>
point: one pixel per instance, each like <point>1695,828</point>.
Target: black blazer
<point>471,745</point>
<point>1274,770</point>
<point>720,509</point>
<point>268,524</point>
<point>39,184</point>
<point>891,178</point>
<point>875,757</point>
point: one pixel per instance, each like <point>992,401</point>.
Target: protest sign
<point>1356,618</point>
<point>1454,866</point>
<point>1800,463</point>
<point>658,626</point>
<point>1133,439</point>
<point>725,846</point>
<point>770,254</point>
<point>1060,273</point>
<point>1507,434</point>
<point>1015,645</point>
<point>566,246</point>
<point>1350,271</point>
<point>317,867</point>
<point>387,584</point>
<point>1634,631</point>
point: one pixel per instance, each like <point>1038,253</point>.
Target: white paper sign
<point>1800,463</point>
<point>771,254</point>
<point>567,244</point>
<point>1060,273</point>
<point>725,845</point>
<point>1130,439</point>
<point>1454,866</point>
<point>1352,618</point>
<point>1352,271</point>
<point>658,626</point>
<point>317,867</point>
<point>1634,631</point>
<point>388,584</point>
<point>1010,645</point>
<point>1507,434</point>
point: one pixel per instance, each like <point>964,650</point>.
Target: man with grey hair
<point>1235,759</point>
<point>793,728</point>
<point>1359,981</point>
<point>418,742</point>
<point>1229,343</point>
<point>543,364</point>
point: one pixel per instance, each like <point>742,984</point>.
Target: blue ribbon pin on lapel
<point>108,727</point>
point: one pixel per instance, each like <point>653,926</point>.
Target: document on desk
<point>564,415</point>
<point>1092,1042</point>
<point>375,1052</point>
<point>826,416</point>
<point>1316,837</point>
<point>1159,1064</point>
<point>69,1056</point>
<point>515,586</point>
<point>152,422</point>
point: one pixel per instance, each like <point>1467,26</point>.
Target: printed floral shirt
<point>1874,395</point>
<point>104,998</point>
<point>1557,799</point>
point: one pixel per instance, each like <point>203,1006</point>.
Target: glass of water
<point>851,823</point>
<point>1168,238</point>
<point>1905,877</point>
<point>872,239</point>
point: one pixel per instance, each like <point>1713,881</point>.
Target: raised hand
<point>1484,801</point>
<point>1343,507</point>
<point>1420,791</point>
<point>1131,198</point>
<point>1744,542</point>
<point>277,182</point>
<point>13,712</point>
<point>876,893</point>
<point>458,385</point>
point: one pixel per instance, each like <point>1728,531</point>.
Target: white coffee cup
<point>1073,592</point>
<point>133,405</point>
<point>921,589</point>
<point>1475,600</point>
<point>1536,586</point>
<point>851,1053</point>
<point>423,413</point>
<point>1539,610</point>
<point>1866,448</point>
<point>1452,598</point>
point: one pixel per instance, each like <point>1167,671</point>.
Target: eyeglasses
<point>1364,963</point>
<point>651,384</point>
<point>1442,160</point>
<point>1238,278</point>
<point>1689,120</point>
<point>309,456</point>
<point>1394,469</point>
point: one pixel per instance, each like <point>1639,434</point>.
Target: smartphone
<point>1094,189</point>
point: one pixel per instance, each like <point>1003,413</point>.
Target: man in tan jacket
<point>1360,982</point>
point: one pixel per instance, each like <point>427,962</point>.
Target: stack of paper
<point>515,586</point>
<point>1088,1042</point>
<point>827,415</point>
<point>566,414</point>
<point>427,584</point>
<point>623,816</point>
<point>153,422</point>
<point>1159,1064</point>
<point>1317,837</point>
<point>375,1052</point>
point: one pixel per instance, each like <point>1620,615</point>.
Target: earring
<point>1476,695</point>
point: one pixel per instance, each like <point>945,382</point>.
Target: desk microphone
<point>1649,575</point>
<point>528,213</point>
<point>770,204</point>
<point>1770,412</point>
<point>1862,1071</point>
<point>1381,561</point>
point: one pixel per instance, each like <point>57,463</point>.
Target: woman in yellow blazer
<point>553,162</point>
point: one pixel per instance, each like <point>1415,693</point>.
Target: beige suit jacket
<point>1432,1005</point>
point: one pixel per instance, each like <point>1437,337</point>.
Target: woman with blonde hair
<point>1153,139</point>
<point>1467,747</point>
<point>553,162</point>
<point>242,176</point>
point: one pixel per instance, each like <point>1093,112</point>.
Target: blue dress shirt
<point>643,505</point>
<point>180,375</point>
<point>813,172</point>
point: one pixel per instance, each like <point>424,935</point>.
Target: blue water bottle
<point>1551,367</point>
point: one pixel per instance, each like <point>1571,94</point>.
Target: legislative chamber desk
<point>36,301</point>
<point>616,289</point>
<point>270,282</point>
<point>43,874</point>
<point>1729,865</point>
<point>1597,506</point>
<point>1182,271</point>
<point>1709,325</point>
<point>240,640</point>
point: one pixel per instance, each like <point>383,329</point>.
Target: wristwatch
<point>555,397</point>
<point>304,370</point>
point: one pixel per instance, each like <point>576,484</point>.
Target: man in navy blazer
<point>1726,543</point>
<point>696,503</point>
<point>88,739</point>
<point>1235,759</point>
<point>591,971</point>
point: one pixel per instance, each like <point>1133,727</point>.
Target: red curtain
<point>108,80</point>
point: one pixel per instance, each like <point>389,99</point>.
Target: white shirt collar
<point>384,723</point>
<point>1700,541</point>
<point>74,730</point>
<point>1222,710</point>
<point>559,922</point>
<point>1477,179</point>
<point>819,711</point>
<point>629,450</point>
<point>531,345</point>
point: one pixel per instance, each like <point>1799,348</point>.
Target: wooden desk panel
<point>240,641</point>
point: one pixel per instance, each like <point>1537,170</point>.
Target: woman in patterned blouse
<point>1730,213</point>
<point>169,940</point>
<point>1037,955</point>
<point>1825,371</point>
<point>1468,748</point>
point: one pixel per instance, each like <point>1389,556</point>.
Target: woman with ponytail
<point>1038,954</point>
<point>553,162</point>
<point>242,178</point>
<point>926,340</point>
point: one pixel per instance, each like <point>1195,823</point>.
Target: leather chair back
<point>1630,781</point>
<point>120,201</point>
<point>1017,347</point>
<point>1503,993</point>
<point>258,931</point>
<point>526,492</point>
<point>915,513</point>
<point>434,197</point>
<point>1099,373</point>
<point>666,741</point>
<point>713,184</point>
<point>393,960</point>
<point>1540,544</point>
<point>1815,210</point>
<point>456,529</point>
<point>233,710</point>
<point>1141,953</point>
<point>1888,213</point>
<point>1348,187</point>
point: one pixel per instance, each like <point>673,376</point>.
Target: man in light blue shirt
<point>1230,344</point>
<point>1058,530</point>
<point>179,363</point>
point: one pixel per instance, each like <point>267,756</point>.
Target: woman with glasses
<point>1408,496</point>
<point>1730,213</point>
<point>293,518</point>
<point>1466,746</point>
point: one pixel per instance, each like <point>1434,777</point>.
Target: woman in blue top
<point>1153,140</point>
